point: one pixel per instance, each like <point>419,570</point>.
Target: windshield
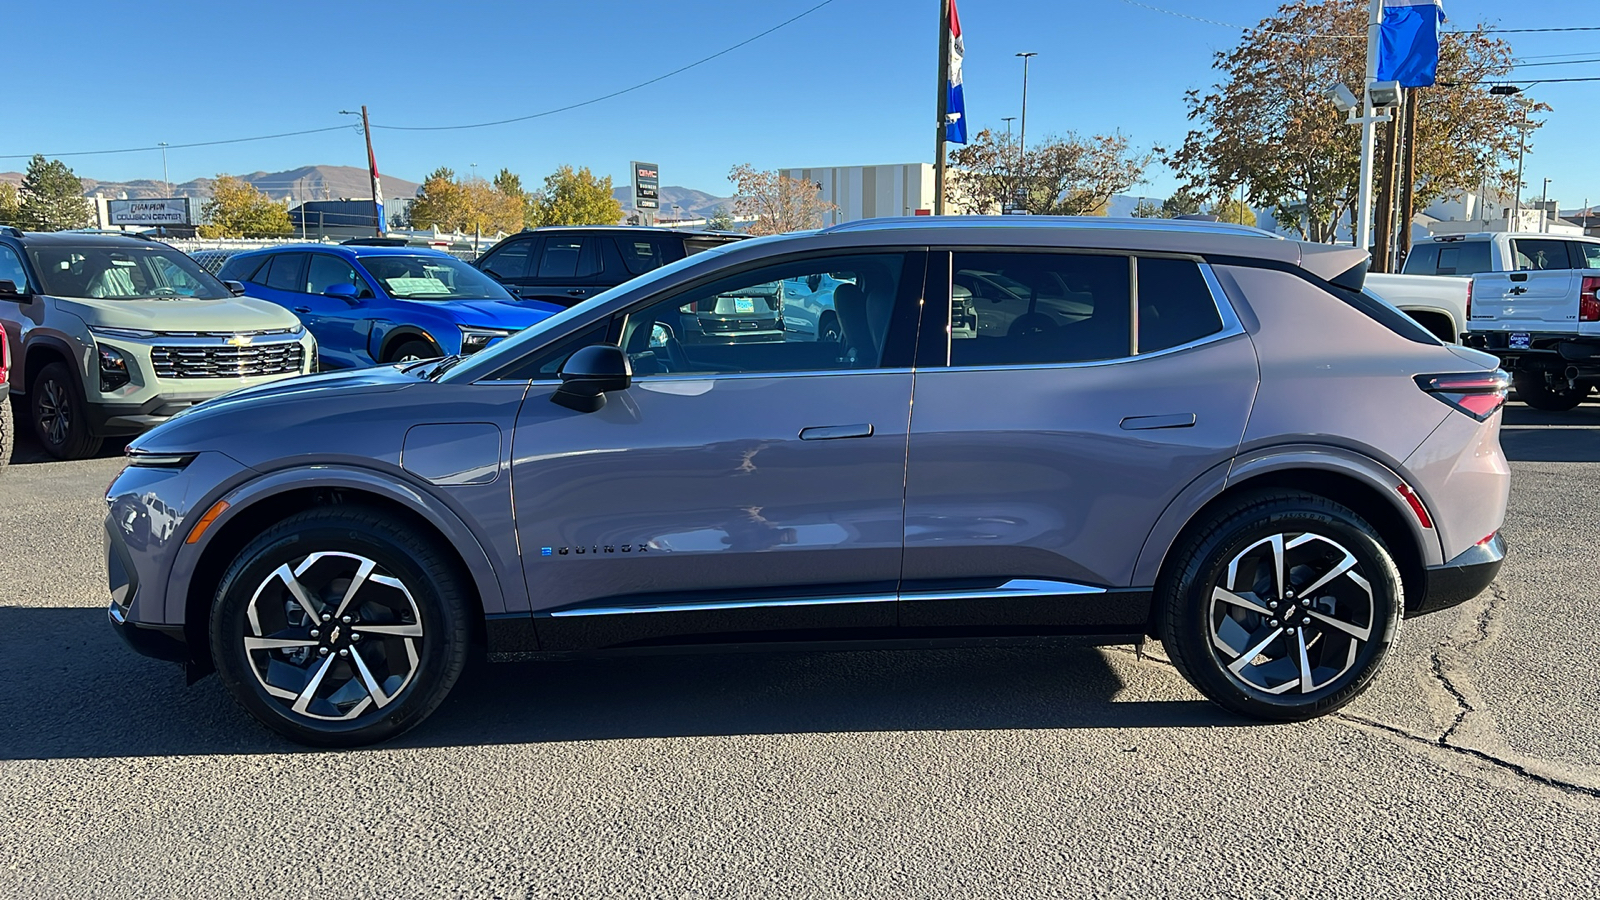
<point>156,272</point>
<point>486,361</point>
<point>432,277</point>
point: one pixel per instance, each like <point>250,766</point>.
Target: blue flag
<point>955,109</point>
<point>1408,42</point>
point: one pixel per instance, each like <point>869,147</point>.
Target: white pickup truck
<point>1545,327</point>
<point>1437,302</point>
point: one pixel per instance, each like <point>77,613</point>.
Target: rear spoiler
<point>1342,266</point>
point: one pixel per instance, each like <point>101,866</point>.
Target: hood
<point>512,315</point>
<point>232,314</point>
<point>191,429</point>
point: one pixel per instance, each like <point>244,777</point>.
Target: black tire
<point>7,431</point>
<point>435,596</point>
<point>412,350</point>
<point>1193,624</point>
<point>1536,391</point>
<point>56,409</point>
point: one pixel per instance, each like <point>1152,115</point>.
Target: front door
<point>739,487</point>
<point>1050,432</point>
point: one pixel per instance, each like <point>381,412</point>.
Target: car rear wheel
<point>412,351</point>
<point>6,428</point>
<point>340,626</point>
<point>57,411</point>
<point>1534,389</point>
<point>1281,606</point>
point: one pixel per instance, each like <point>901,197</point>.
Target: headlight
<point>159,460</point>
<point>133,333</point>
<point>475,339</point>
<point>113,368</point>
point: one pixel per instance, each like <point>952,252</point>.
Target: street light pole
<point>1022,137</point>
<point>1516,198</point>
<point>1369,131</point>
<point>166,179</point>
<point>1544,208</point>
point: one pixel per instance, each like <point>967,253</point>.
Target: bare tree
<point>775,202</point>
<point>1068,176</point>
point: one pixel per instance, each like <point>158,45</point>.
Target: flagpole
<point>944,110</point>
<point>372,173</point>
<point>1369,131</point>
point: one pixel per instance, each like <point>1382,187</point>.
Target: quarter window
<point>1586,256</point>
<point>1039,308</point>
<point>737,324</point>
<point>1175,304</point>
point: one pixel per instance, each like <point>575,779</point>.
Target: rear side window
<point>569,258</point>
<point>1039,308</point>
<point>240,268</point>
<point>642,255</point>
<point>1175,305</point>
<point>1537,254</point>
<point>284,274</point>
<point>1449,258</point>
<point>1585,256</point>
<point>510,261</point>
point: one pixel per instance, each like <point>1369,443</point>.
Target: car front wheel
<point>1281,606</point>
<point>340,626</point>
<point>57,411</point>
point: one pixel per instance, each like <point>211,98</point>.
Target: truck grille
<point>227,362</point>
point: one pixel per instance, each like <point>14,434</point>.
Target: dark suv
<point>1054,428</point>
<point>567,265</point>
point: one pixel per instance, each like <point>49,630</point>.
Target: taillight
<point>1469,300</point>
<point>1589,299</point>
<point>1478,394</point>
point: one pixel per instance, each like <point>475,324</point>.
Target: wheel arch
<point>255,506</point>
<point>1440,322</point>
<point>41,351</point>
<point>400,333</point>
<point>1364,485</point>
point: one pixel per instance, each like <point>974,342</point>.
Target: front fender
<point>1263,460</point>
<point>242,497</point>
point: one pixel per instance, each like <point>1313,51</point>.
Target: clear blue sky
<point>850,84</point>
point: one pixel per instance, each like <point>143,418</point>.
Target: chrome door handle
<point>577,292</point>
<point>1148,423</point>
<point>834,432</point>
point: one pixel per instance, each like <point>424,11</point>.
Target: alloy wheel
<point>55,412</point>
<point>333,636</point>
<point>1292,614</point>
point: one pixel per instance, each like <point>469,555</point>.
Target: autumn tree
<point>1068,176</point>
<point>441,203</point>
<point>10,204</point>
<point>52,197</point>
<point>238,210</point>
<point>775,203</point>
<point>576,197</point>
<point>1268,127</point>
<point>1234,210</point>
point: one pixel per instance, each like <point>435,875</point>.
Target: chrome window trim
<point>1016,587</point>
<point>781,373</point>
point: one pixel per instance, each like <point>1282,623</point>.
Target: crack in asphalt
<point>1480,623</point>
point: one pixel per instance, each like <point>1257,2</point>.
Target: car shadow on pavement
<point>73,690</point>
<point>25,449</point>
<point>1530,435</point>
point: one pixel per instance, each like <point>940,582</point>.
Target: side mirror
<point>235,288</point>
<point>813,281</point>
<point>588,374</point>
<point>345,292</point>
<point>8,291</point>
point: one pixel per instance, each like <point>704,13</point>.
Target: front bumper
<point>1462,578</point>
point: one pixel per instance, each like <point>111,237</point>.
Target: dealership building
<point>870,192</point>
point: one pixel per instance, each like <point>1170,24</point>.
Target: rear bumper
<point>1462,578</point>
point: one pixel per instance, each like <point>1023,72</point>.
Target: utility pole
<point>1516,199</point>
<point>1408,173</point>
<point>1544,208</point>
<point>166,179</point>
<point>1368,131</point>
<point>943,107</point>
<point>1383,224</point>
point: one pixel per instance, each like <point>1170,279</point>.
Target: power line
<point>1569,62</point>
<point>1528,82</point>
<point>153,147</point>
<point>626,90</point>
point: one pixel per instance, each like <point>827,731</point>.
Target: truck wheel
<point>57,411</point>
<point>6,430</point>
<point>1536,391</point>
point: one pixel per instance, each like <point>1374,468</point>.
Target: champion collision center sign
<point>161,211</point>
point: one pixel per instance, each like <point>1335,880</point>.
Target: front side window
<point>431,277</point>
<point>1039,308</point>
<point>326,271</point>
<point>736,324</point>
<point>1541,254</point>
<point>11,268</point>
<point>122,273</point>
<point>510,261</point>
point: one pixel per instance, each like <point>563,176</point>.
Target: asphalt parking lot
<point>1471,769</point>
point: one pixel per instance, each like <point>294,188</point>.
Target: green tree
<point>721,220</point>
<point>1182,203</point>
<point>575,197</point>
<point>10,204</point>
<point>52,197</point>
<point>441,202</point>
<point>1268,126</point>
<point>1149,209</point>
<point>1234,210</point>
<point>238,210</point>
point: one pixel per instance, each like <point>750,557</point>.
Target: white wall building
<point>870,192</point>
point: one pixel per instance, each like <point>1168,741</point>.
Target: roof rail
<point>12,230</point>
<point>1087,223</point>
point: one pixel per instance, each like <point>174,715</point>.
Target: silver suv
<point>112,334</point>
<point>1196,432</point>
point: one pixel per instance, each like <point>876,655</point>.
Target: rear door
<point>1049,435</point>
<point>565,270</point>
